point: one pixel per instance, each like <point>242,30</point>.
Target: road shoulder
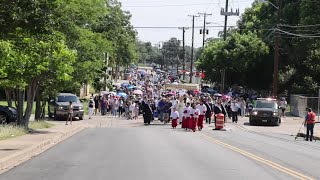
<point>18,150</point>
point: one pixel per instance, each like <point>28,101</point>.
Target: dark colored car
<point>58,107</point>
<point>266,111</point>
<point>7,115</point>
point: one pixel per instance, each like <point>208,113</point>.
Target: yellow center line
<point>257,158</point>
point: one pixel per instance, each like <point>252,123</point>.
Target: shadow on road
<point>6,149</point>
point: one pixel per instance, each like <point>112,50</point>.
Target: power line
<point>174,5</point>
<point>298,35</point>
<point>168,5</point>
<point>299,26</point>
<point>173,27</point>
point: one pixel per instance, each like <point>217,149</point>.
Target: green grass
<point>10,131</point>
<point>40,125</point>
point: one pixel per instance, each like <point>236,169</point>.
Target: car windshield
<point>68,99</point>
<point>266,104</point>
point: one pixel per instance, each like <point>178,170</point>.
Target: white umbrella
<point>113,93</point>
<point>218,95</point>
<point>139,92</point>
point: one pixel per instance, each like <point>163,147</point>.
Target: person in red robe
<point>186,117</point>
<point>195,117</point>
<point>174,118</point>
<point>203,109</point>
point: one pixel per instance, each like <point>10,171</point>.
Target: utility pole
<point>204,31</point>
<point>184,51</point>
<point>191,65</point>
<point>276,54</point>
<point>226,13</point>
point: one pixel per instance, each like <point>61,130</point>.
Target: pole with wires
<point>184,51</point>
<point>226,13</point>
<point>276,55</point>
<point>204,30</point>
<point>192,44</point>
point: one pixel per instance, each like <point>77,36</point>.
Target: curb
<point>304,135</point>
<point>13,160</point>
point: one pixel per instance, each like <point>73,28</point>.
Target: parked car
<point>266,111</point>
<point>58,107</point>
<point>7,114</point>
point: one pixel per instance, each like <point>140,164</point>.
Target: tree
<point>298,51</point>
<point>170,51</point>
<point>239,54</point>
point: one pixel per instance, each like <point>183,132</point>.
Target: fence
<point>299,103</point>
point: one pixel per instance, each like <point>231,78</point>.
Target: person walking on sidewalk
<point>283,105</point>
<point>70,113</point>
<point>310,122</point>
<point>96,104</point>
<point>91,107</point>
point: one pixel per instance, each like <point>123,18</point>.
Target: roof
<point>66,94</point>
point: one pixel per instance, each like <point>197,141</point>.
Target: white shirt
<point>174,115</point>
<point>235,107</point>
<point>186,112</point>
<point>202,108</point>
<point>283,104</point>
<point>132,107</point>
<point>196,113</point>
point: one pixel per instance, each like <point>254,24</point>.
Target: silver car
<point>58,107</point>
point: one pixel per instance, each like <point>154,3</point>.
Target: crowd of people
<point>190,109</point>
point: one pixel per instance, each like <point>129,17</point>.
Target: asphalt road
<point>157,152</point>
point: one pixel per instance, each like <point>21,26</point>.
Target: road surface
<point>157,152</point>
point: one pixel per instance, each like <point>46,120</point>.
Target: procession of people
<point>146,95</point>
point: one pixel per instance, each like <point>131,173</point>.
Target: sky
<point>174,13</point>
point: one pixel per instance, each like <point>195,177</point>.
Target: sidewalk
<point>290,126</point>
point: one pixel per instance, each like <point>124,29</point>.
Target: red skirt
<point>193,123</point>
<point>200,121</point>
<point>174,123</point>
<point>185,122</point>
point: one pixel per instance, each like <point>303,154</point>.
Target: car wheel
<point>278,122</point>
<point>50,115</point>
<point>81,118</point>
<point>55,117</point>
<point>251,122</point>
<point>3,118</point>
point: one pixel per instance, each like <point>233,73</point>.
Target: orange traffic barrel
<point>220,121</point>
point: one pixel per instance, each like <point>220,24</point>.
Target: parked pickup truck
<point>58,107</point>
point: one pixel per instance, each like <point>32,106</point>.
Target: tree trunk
<point>117,72</point>
<point>112,72</point>
<point>31,92</point>
<point>38,105</point>
<point>8,96</point>
<point>43,108</point>
<point>15,97</point>
<point>20,101</point>
<point>177,68</point>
